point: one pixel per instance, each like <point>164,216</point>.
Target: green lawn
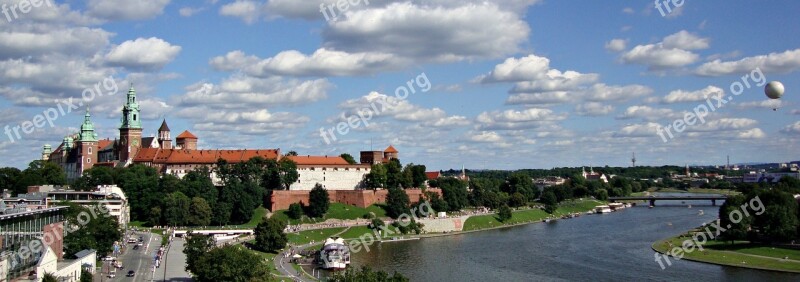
<point>355,232</point>
<point>738,254</point>
<point>530,215</point>
<point>335,211</point>
<point>319,235</point>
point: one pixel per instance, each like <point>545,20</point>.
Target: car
<point>131,273</point>
<point>140,244</point>
<point>108,258</point>
<point>136,247</point>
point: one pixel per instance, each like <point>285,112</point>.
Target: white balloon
<point>774,89</point>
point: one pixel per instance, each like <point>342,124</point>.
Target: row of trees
<point>207,262</point>
<point>195,200</point>
<point>38,173</point>
<point>765,213</point>
<point>394,175</point>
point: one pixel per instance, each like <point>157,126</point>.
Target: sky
<point>482,84</point>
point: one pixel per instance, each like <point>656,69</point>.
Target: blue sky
<point>513,84</point>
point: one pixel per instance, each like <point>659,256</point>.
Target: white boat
<point>334,255</point>
<point>616,206</point>
<point>602,209</point>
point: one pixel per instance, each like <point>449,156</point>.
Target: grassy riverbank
<point>738,254</point>
<point>529,215</point>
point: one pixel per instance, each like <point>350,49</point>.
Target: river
<point>605,247</point>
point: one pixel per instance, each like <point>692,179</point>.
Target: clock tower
<point>130,132</point>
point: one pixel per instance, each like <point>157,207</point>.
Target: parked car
<point>136,247</point>
<point>131,273</point>
<point>108,258</point>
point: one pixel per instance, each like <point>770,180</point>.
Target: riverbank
<point>738,254</point>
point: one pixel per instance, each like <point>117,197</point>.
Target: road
<point>173,268</point>
<point>140,260</point>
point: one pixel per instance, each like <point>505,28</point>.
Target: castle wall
<point>349,177</point>
<point>360,198</point>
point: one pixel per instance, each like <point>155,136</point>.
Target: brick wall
<point>360,198</point>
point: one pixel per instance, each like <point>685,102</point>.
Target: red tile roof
<point>318,160</point>
<point>390,149</point>
<point>433,175</point>
<point>180,156</point>
<point>186,135</point>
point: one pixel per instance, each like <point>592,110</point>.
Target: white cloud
<point>126,9</point>
<point>681,96</point>
<point>672,52</point>
<point>248,92</point>
<point>792,128</point>
<point>441,34</point>
<point>617,45</point>
<point>514,120</point>
<point>323,62</point>
<point>145,54</point>
<point>248,11</point>
<point>628,10</point>
<point>763,104</point>
<point>601,92</point>
<point>77,41</point>
<point>544,98</point>
<point>647,113</point>
<point>638,130</point>
<point>189,11</point>
<point>785,62</point>
<point>593,109</point>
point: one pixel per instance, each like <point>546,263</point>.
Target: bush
<point>504,213</point>
<point>295,211</point>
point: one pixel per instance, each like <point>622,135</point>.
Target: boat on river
<point>602,209</point>
<point>334,254</point>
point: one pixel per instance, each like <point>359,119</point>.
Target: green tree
<point>376,224</point>
<point>454,192</point>
<point>86,276</point>
<point>270,236</point>
<point>504,213</point>
<point>517,200</point>
<point>394,174</point>
<point>40,173</point>
<point>347,157</point>
<point>318,201</point>
<point>522,183</point>
<point>199,212</point>
<point>176,209</point>
<point>376,178</point>
<point>367,275</point>
<point>418,176</point>
<point>295,211</point>
<point>197,246</point>
<point>230,263</point>
<point>601,194</point>
<point>8,179</point>
<point>91,178</point>
<point>437,203</point>
<point>550,201</point>
<point>49,277</point>
<point>291,153</point>
<point>84,230</point>
<point>288,172</point>
<point>735,231</point>
<point>140,184</point>
<point>397,203</point>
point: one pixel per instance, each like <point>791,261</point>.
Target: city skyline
<point>503,87</point>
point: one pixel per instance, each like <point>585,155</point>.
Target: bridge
<point>653,199</point>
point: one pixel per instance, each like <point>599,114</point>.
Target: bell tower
<point>164,140</point>
<point>130,132</point>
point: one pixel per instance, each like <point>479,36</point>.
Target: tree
<point>40,173</point>
<point>397,203</point>
<point>366,274</point>
<point>408,227</point>
<point>98,232</point>
<point>454,192</point>
<point>376,178</point>
<point>176,209</point>
<point>550,201</point>
<point>49,277</point>
<point>270,236</point>
<point>437,203</point>
<point>376,224</point>
<point>91,178</point>
<point>86,276</point>
<point>288,172</point>
<point>230,263</point>
<point>318,201</point>
<point>295,211</point>
<point>735,231</point>
<point>197,246</point>
<point>199,212</point>
<point>517,200</point>
<point>418,176</point>
<point>601,194</point>
<point>394,174</point>
<point>347,157</point>
<point>8,179</point>
<point>522,183</point>
<point>504,213</point>
<point>291,153</point>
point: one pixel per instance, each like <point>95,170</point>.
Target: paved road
<point>140,260</point>
<point>173,267</point>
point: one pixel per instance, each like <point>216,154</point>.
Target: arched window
<point>90,150</point>
<point>134,117</point>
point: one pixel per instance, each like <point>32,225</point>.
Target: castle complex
<point>83,150</point>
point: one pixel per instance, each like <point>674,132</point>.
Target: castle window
<point>134,117</point>
<point>90,150</point>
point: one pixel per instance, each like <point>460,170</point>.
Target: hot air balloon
<point>774,90</point>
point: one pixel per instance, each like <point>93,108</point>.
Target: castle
<point>83,150</point>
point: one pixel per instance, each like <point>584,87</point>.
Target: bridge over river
<point>653,199</point>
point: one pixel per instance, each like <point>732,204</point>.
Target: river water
<point>605,247</point>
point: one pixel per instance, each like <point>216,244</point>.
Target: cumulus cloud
<point>647,113</point>
<point>681,96</point>
<point>126,9</point>
<point>248,92</point>
<point>143,54</point>
<point>322,62</point>
<point>785,62</point>
<point>617,45</point>
<point>517,119</point>
<point>248,11</point>
<point>672,52</point>
<point>593,109</point>
<point>386,106</point>
<point>792,128</point>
